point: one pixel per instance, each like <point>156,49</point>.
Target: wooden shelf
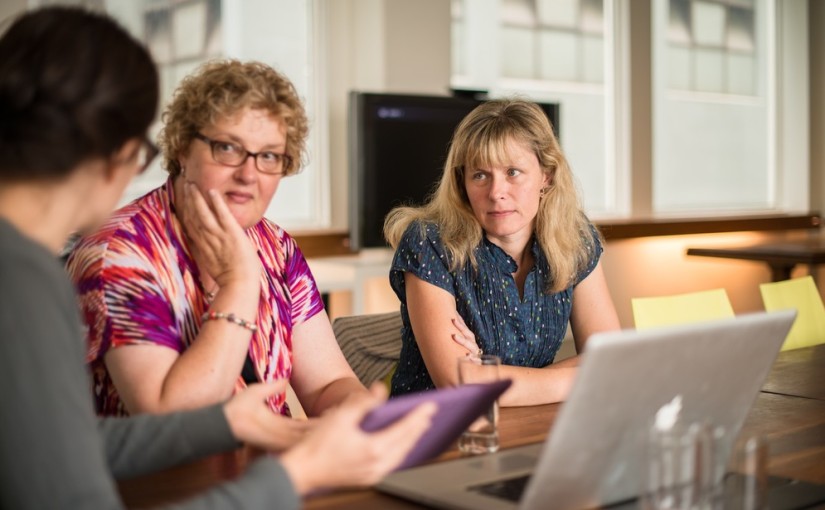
<point>627,229</point>
<point>331,243</point>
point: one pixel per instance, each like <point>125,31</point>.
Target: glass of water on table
<point>482,435</point>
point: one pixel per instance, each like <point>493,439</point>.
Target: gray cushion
<point>371,343</point>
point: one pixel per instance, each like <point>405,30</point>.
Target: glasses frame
<point>287,160</point>
<point>146,154</point>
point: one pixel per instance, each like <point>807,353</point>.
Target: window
<point>182,34</point>
<point>556,40</point>
<point>550,51</point>
<point>715,103</point>
<point>729,79</point>
<point>712,46</point>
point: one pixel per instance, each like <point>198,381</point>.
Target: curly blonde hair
<point>480,140</point>
<point>222,88</point>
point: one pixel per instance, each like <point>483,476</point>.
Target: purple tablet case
<point>457,408</point>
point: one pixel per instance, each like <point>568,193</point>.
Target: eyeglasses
<point>230,154</point>
<point>146,153</point>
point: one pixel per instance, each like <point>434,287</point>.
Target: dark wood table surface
<point>794,426</point>
<point>781,257</point>
<point>799,373</point>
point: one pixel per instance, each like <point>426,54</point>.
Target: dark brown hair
<point>74,85</point>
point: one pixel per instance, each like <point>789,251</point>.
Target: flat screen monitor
<point>397,148</point>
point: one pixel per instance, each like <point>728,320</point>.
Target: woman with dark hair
<point>185,304</point>
<point>77,95</point>
<point>500,260</point>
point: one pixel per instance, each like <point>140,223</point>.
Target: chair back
<point>371,344</point>
<point>706,305</point>
<point>800,294</point>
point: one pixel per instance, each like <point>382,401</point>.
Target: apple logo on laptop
<point>668,414</point>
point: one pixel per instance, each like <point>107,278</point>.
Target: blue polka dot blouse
<point>524,331</point>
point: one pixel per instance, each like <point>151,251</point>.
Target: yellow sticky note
<point>802,295</point>
<point>706,305</point>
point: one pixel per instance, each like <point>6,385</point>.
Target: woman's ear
<point>547,181</point>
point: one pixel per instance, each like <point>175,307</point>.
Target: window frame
<point>629,97</point>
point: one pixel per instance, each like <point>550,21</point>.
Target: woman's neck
<point>517,248</point>
<point>48,211</point>
<point>520,251</point>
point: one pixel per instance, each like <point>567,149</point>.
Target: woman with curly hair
<point>499,261</point>
<point>189,293</point>
<point>72,136</point>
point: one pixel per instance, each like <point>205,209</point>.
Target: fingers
<point>378,390</point>
<point>202,214</point>
<point>465,336</point>
<point>356,406</point>
<point>262,391</point>
<point>466,343</point>
<point>219,244</point>
<point>459,323</point>
<point>396,440</point>
<point>297,427</point>
<point>222,212</point>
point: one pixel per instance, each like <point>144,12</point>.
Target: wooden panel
<point>329,243</point>
<point>625,229</point>
<point>323,243</point>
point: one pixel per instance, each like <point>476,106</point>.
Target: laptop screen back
<point>594,453</point>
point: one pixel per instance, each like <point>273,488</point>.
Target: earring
<point>543,191</point>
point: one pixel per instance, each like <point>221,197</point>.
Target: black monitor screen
<point>398,145</point>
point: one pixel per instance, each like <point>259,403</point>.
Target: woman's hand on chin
<point>219,244</point>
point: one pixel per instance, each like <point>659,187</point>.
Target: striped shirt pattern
<point>139,285</point>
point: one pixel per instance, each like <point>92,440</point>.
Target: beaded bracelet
<point>231,317</point>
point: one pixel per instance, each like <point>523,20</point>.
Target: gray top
<point>54,452</point>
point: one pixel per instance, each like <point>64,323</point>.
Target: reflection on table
<point>790,413</point>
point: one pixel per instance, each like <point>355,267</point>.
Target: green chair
<point>706,305</point>
<point>802,295</point>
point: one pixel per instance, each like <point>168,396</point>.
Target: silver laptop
<point>592,457</point>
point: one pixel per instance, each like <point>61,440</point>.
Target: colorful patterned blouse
<point>524,332</point>
<point>138,285</point>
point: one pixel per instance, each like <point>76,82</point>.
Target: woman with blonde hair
<point>499,260</point>
<point>189,293</point>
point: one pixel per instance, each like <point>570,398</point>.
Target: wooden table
<point>799,373</point>
<point>780,257</point>
<point>794,426</point>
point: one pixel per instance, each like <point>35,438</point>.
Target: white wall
<point>9,9</point>
<point>816,21</point>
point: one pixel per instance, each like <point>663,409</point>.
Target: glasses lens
<point>269,163</point>
<point>228,154</point>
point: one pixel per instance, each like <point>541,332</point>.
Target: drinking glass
<point>683,467</point>
<point>482,435</point>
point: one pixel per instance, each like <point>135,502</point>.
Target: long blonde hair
<point>562,229</point>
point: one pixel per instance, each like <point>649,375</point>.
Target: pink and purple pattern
<point>138,285</point>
